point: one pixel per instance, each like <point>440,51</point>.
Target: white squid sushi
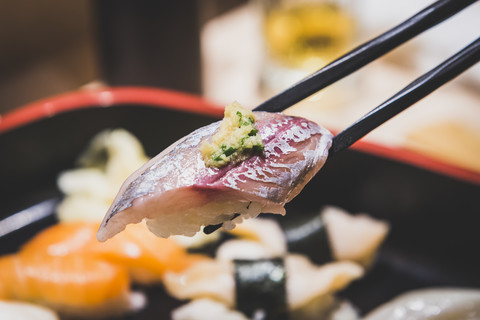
<point>177,193</point>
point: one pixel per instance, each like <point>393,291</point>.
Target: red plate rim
<point>163,98</point>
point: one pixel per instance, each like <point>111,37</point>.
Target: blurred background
<point>243,50</point>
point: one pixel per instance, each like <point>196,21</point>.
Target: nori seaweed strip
<point>310,237</point>
<point>260,287</point>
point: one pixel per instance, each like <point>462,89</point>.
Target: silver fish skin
<point>177,194</point>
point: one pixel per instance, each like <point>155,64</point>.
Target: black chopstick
<point>364,54</point>
<point>406,97</point>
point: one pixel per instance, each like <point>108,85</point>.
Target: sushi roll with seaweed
<point>276,286</point>
<point>255,272</point>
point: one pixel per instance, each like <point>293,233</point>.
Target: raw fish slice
<point>71,285</point>
<point>164,255</point>
<point>61,239</point>
<point>145,256</point>
<point>177,193</point>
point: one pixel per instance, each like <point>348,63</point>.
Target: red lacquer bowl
<point>433,207</point>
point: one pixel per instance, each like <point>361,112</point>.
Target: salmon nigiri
<point>71,285</point>
<point>145,256</point>
<point>177,192</point>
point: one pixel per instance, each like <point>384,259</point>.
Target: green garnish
<point>230,151</point>
<point>236,140</point>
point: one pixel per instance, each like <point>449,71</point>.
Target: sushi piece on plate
<point>145,256</point>
<point>177,192</point>
<point>89,189</point>
<point>292,281</point>
<point>71,285</point>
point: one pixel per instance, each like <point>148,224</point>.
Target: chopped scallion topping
<point>236,139</point>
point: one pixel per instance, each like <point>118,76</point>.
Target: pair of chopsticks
<point>373,49</point>
<point>366,53</point>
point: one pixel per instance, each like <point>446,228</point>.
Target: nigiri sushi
<point>71,285</point>
<point>145,256</point>
<point>177,193</point>
<point>64,267</point>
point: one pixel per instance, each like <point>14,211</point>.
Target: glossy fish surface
<point>178,194</point>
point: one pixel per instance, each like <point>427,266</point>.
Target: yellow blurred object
<point>450,142</point>
<point>308,35</point>
<point>301,37</point>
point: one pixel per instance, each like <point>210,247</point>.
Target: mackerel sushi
<point>179,190</point>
